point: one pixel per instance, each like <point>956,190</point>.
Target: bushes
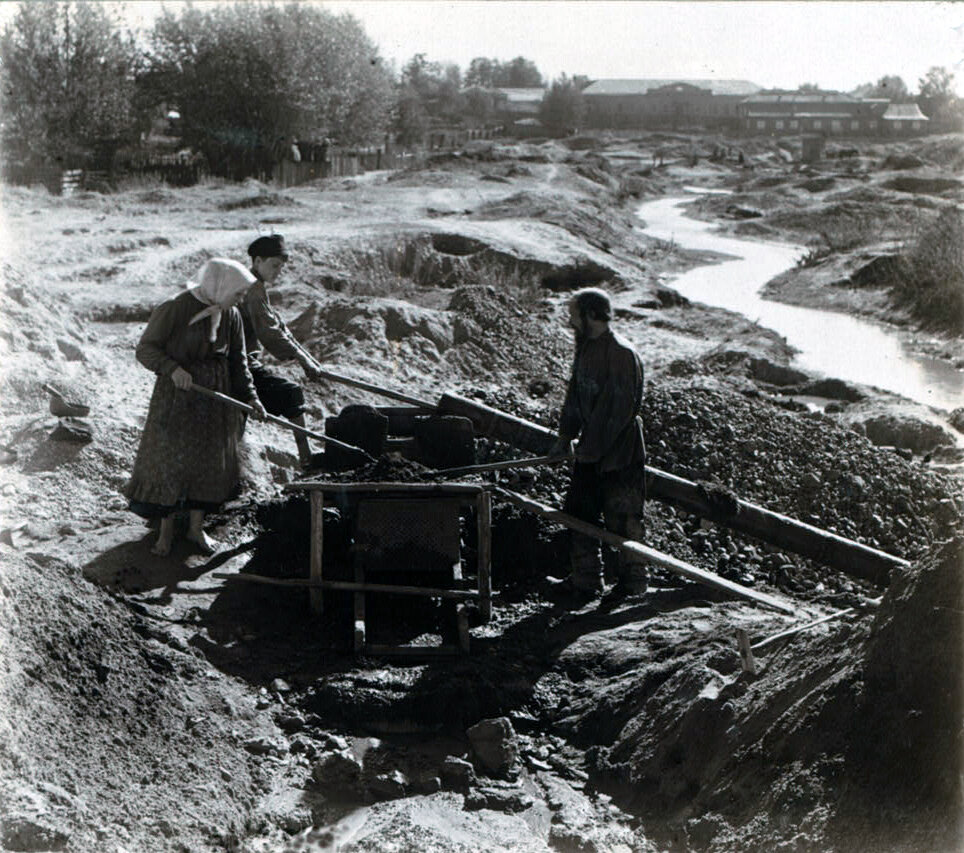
<point>930,275</point>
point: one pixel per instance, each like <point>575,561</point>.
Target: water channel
<point>828,342</point>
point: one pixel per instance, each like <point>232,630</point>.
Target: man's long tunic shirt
<point>603,402</point>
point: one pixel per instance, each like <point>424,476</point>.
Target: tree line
<point>78,86</point>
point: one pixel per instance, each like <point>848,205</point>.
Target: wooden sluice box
<point>404,534</point>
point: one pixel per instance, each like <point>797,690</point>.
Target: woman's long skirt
<point>188,457</point>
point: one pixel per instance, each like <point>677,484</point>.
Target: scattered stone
<point>388,786</point>
<point>334,742</point>
<point>73,429</point>
<point>279,685</point>
<point>290,722</point>
<point>498,799</point>
<point>457,774</point>
<point>426,783</point>
<point>21,833</point>
<point>495,747</point>
<point>303,746</point>
<point>956,419</point>
<point>338,772</point>
<point>265,746</point>
<point>70,350</point>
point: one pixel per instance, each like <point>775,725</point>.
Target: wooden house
<point>826,113</point>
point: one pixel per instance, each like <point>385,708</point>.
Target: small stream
<point>828,342</point>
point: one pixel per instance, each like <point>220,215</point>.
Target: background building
<point>826,113</point>
<point>668,104</point>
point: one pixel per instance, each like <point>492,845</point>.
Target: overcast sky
<point>837,45</point>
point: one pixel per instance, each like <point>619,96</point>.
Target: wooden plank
<point>405,446</point>
<point>637,549</point>
<point>360,638</point>
<point>315,571</point>
<point>484,537</point>
<point>789,632</point>
<point>528,462</point>
<point>394,488</point>
<point>852,558</point>
<point>504,427</point>
<point>462,617</point>
<point>274,419</point>
<point>351,586</point>
<point>747,661</point>
<point>401,419</point>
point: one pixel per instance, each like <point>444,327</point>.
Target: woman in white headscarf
<point>188,457</point>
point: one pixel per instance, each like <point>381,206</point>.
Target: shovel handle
<point>374,389</point>
<point>244,407</point>
<point>528,462</point>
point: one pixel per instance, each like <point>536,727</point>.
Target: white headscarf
<point>219,282</point>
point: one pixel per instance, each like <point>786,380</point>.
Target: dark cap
<point>269,246</point>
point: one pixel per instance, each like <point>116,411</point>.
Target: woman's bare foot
<point>205,544</point>
<point>165,537</point>
<point>162,548</point>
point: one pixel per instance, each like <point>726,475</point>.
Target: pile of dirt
<point>801,464</point>
<point>735,761</point>
<point>39,337</point>
<point>591,219</point>
<point>110,729</point>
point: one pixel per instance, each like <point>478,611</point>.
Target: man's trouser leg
<point>624,495</point>
<point>584,501</point>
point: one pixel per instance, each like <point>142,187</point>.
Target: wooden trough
<point>393,519</point>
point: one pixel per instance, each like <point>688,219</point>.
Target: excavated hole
<point>449,260</point>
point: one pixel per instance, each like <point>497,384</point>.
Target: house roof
<point>522,95</point>
<point>793,114</point>
<point>802,98</point>
<point>642,86</point>
<point>904,112</point>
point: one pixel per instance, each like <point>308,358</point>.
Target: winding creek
<point>828,343</point>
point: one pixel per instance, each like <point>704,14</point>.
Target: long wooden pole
<point>374,389</point>
<point>637,549</point>
<point>784,532</point>
<point>528,462</point>
<point>244,407</point>
<point>352,586</point>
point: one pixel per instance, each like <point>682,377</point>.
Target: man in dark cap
<point>602,407</point>
<point>265,330</point>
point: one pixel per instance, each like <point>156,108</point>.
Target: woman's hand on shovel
<point>181,378</point>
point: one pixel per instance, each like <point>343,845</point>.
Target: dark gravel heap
<point>733,445</point>
<point>506,340</point>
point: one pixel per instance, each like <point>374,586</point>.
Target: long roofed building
<point>666,103</point>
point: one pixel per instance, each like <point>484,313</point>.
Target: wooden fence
<point>316,161</point>
<point>335,163</point>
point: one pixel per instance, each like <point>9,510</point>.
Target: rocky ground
<point>155,704</point>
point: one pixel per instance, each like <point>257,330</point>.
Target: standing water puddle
<point>829,343</point>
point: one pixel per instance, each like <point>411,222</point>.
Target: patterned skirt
<point>188,455</point>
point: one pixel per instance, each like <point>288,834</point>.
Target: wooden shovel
<point>244,407</point>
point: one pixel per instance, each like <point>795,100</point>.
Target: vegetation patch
<point>931,274</point>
